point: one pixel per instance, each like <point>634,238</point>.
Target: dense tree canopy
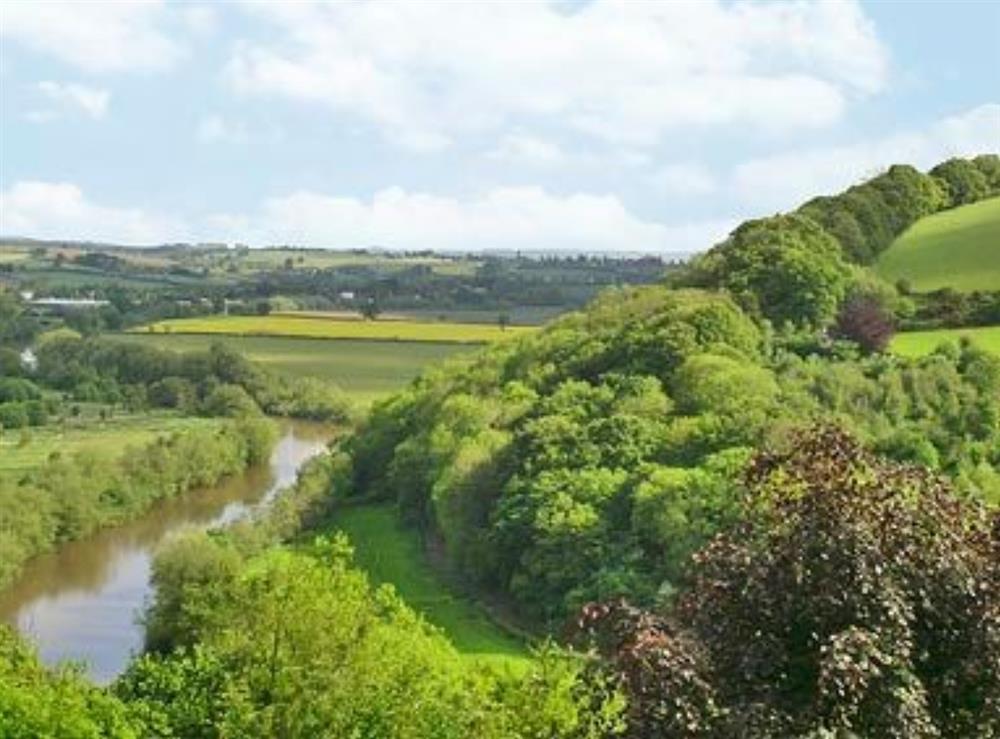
<point>589,460</point>
<point>787,269</point>
<point>853,596</point>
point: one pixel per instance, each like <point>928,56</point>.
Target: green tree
<point>786,268</point>
<point>40,702</point>
<point>962,180</point>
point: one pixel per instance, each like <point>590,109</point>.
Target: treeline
<point>866,219</point>
<point>219,381</point>
<point>22,403</point>
<point>803,268</point>
<point>191,285</point>
<point>70,496</point>
<point>948,308</point>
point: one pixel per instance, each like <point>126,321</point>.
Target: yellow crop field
<point>312,327</point>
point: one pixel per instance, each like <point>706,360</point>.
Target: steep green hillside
<point>957,248</point>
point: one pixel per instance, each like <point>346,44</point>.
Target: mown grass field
<point>958,248</point>
<point>390,553</point>
<point>920,343</point>
<point>320,327</point>
<point>365,369</point>
<point>109,437</point>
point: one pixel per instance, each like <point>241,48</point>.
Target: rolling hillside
<point>957,248</point>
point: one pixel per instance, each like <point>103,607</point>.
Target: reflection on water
<point>82,601</point>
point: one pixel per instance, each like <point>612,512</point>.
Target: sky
<point>585,126</point>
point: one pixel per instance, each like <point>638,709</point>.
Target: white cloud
<point>215,128</point>
<point>118,35</point>
<point>503,218</point>
<point>783,181</point>
<point>201,19</point>
<point>91,100</point>
<point>59,210</point>
<point>623,71</point>
<point>523,148</point>
<point>683,178</point>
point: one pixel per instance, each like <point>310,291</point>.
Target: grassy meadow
<point>20,451</point>
<point>392,554</point>
<point>920,343</point>
<point>312,326</point>
<point>365,369</point>
<point>957,248</point>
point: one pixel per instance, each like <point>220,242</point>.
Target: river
<point>82,601</point>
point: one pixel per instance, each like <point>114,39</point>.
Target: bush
<point>863,320</point>
<point>229,401</point>
<point>39,702</point>
<point>14,415</point>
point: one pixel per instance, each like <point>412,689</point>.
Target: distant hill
<point>958,248</point>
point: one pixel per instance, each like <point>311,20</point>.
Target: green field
<point>958,248</point>
<point>103,437</point>
<point>919,343</point>
<point>365,369</point>
<point>319,327</point>
<point>269,259</point>
<point>392,554</point>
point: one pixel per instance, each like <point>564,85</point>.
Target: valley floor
<point>393,554</point>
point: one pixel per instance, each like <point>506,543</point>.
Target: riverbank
<point>69,497</point>
<point>82,601</point>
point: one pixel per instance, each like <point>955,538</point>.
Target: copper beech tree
<point>855,598</point>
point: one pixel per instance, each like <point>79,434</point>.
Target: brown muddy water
<point>82,602</point>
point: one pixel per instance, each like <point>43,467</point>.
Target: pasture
<point>390,553</point>
<point>21,450</point>
<point>920,343</point>
<point>313,326</point>
<point>957,248</point>
<point>365,369</point>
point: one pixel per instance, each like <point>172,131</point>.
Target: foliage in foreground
<point>297,644</point>
<point>853,596</point>
<point>38,702</point>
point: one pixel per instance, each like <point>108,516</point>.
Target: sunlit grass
<point>366,369</point>
<point>957,248</point>
<point>390,553</point>
<point>336,328</point>
<point>24,449</point>
<point>920,343</point>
